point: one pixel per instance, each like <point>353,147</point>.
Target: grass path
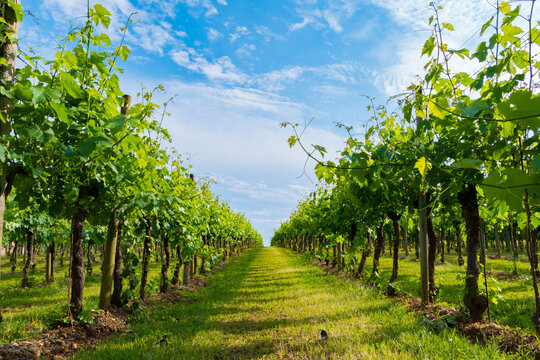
<point>272,304</point>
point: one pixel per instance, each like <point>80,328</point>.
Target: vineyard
<point>420,240</point>
<point>85,173</point>
<point>448,186</point>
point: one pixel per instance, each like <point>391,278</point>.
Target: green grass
<point>272,304</point>
<point>28,312</point>
<point>514,308</point>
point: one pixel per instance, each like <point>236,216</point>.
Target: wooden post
<point>108,262</point>
<point>422,237</point>
<point>109,254</point>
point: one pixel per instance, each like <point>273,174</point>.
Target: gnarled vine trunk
<point>77,261</point>
<point>176,274</point>
<point>379,243</point>
<point>395,259</point>
<point>30,236</point>
<point>146,258</point>
<point>472,299</point>
<point>165,266</point>
<point>365,254</point>
<point>14,258</point>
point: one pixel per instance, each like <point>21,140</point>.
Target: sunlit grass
<point>272,304</point>
<point>514,307</point>
<point>28,312</point>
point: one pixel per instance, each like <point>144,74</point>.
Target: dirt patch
<point>506,276</point>
<point>508,339</point>
<point>64,341</point>
<point>432,312</point>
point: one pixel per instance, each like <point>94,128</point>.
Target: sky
<point>238,69</point>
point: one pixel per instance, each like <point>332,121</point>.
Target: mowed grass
<point>29,311</point>
<point>514,297</point>
<point>271,303</point>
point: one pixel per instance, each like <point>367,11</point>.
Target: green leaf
<point>521,59</point>
<point>23,93</point>
<point>521,107</point>
<point>70,151</point>
<point>474,108</point>
<point>535,36</point>
<point>61,112</point>
<point>486,26</point>
<point>72,194</point>
<point>428,46</point>
<point>116,123</point>
<point>93,143</point>
<point>70,85</point>
<point>448,26</point>
<point>438,107</point>
<point>423,166</point>
<point>510,187</point>
<point>468,164</point>
<point>510,32</point>
<point>481,52</point>
<point>292,141</point>
<point>38,94</point>
<point>505,7</point>
<point>101,15</point>
<point>17,8</point>
<point>3,152</point>
<point>123,52</point>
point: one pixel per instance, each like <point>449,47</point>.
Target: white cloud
<point>150,29</point>
<point>301,25</point>
<point>206,5</point>
<point>345,73</point>
<point>213,34</point>
<point>154,37</point>
<point>222,69</point>
<point>327,14</point>
<point>267,34</point>
<point>245,50</point>
<point>333,20</point>
<point>467,17</point>
<point>239,32</point>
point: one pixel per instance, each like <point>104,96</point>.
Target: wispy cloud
<point>207,6</point>
<point>221,69</point>
<point>328,14</point>
<point>267,34</point>
<point>245,50</point>
<point>151,29</point>
<point>302,24</point>
<point>238,33</point>
<point>213,34</point>
<point>467,17</point>
<point>345,73</point>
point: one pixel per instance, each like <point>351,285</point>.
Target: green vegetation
<point>271,304</point>
<point>82,168</point>
<point>512,301</point>
<point>30,311</point>
<point>456,164</point>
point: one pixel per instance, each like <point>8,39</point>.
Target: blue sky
<point>238,69</point>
